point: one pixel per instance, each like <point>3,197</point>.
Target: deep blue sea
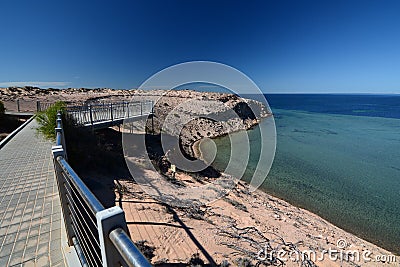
<point>337,156</point>
<point>386,106</point>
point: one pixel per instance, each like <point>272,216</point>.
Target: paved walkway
<point>30,211</point>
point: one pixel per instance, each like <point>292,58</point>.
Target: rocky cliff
<point>192,115</point>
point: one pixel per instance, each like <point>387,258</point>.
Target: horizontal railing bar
<point>90,199</point>
<point>81,241</point>
<point>81,225</point>
<point>79,252</point>
<point>129,252</point>
<point>88,255</point>
<point>106,105</point>
<point>88,250</point>
<point>76,196</point>
<point>87,228</point>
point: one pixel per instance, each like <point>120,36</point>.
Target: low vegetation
<point>47,119</point>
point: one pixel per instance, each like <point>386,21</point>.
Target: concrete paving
<point>30,210</point>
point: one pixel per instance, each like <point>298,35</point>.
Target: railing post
<point>38,106</point>
<point>60,129</point>
<point>127,107</point>
<point>90,114</point>
<point>141,107</point>
<point>59,120</point>
<point>108,220</point>
<point>18,105</point>
<point>111,111</point>
<point>59,141</point>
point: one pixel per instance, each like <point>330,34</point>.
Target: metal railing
<point>26,105</point>
<point>94,113</point>
<point>99,235</point>
<point>41,106</point>
<point>100,111</point>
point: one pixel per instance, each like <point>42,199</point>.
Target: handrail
<point>127,249</point>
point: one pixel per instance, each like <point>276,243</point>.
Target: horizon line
<point>194,89</point>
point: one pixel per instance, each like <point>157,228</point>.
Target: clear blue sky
<point>284,46</point>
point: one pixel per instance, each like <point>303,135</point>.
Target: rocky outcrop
<point>191,116</point>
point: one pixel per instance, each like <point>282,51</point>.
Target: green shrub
<point>47,119</point>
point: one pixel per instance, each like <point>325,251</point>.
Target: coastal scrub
<point>47,119</point>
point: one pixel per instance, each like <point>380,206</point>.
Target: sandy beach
<point>237,227</point>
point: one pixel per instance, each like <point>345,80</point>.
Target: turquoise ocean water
<point>343,166</point>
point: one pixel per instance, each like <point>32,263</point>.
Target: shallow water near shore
<point>344,168</point>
